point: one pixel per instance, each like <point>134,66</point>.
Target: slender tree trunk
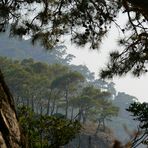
<point>98,127</point>
<point>28,102</point>
<point>41,110</point>
<point>41,135</point>
<point>89,141</point>
<point>48,104</point>
<point>84,116</point>
<point>72,109</point>
<point>80,114</point>
<point>32,103</point>
<point>57,109</point>
<point>103,124</point>
<point>67,103</point>
<point>10,133</point>
<point>53,107</point>
<point>79,140</point>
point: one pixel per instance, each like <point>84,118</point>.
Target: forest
<point>54,91</point>
<point>57,103</point>
<point>48,102</point>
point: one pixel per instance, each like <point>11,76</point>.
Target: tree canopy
<point>86,21</point>
<point>140,112</point>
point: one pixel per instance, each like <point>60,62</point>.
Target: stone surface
<point>10,135</point>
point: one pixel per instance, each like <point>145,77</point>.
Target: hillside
<point>24,50</point>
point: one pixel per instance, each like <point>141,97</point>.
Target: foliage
<point>46,131</point>
<point>67,79</point>
<point>83,69</point>
<point>68,84</point>
<point>57,18</point>
<point>140,113</point>
<point>93,105</point>
<point>133,55</point>
<point>29,81</point>
<point>53,89</point>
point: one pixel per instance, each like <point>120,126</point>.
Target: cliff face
<point>10,135</point>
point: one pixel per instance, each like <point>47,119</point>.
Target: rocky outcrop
<point>10,135</point>
<point>88,139</point>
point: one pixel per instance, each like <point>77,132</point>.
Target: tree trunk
<point>80,114</point>
<point>84,116</point>
<point>67,104</point>
<point>48,104</point>
<point>53,106</point>
<point>57,109</point>
<point>72,110</point>
<point>98,127</point>
<point>10,134</point>
<point>32,103</point>
<point>103,124</point>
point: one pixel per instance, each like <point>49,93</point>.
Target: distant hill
<point>123,125</point>
<point>22,49</point>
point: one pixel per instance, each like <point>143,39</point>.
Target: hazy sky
<point>95,60</point>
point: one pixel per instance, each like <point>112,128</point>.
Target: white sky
<point>95,60</point>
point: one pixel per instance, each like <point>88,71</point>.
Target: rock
<point>10,133</point>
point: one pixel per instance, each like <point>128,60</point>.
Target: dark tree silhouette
<point>140,113</point>
<point>46,21</point>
